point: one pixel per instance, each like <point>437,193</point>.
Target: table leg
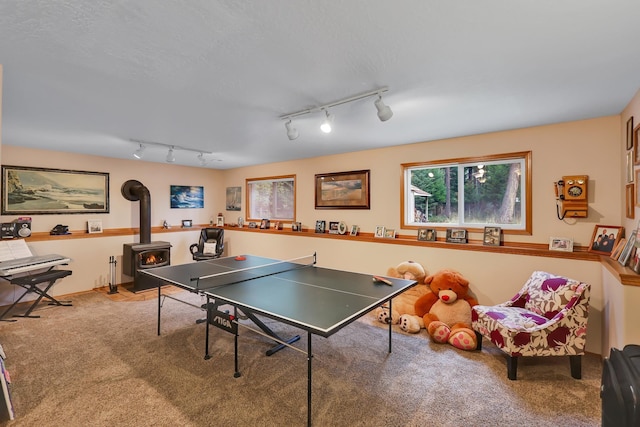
<point>207,356</point>
<point>236,374</point>
<point>309,358</point>
<point>390,322</point>
<point>159,305</point>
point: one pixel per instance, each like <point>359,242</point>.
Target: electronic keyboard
<point>21,265</point>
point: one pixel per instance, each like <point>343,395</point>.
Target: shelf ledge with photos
<point>625,275</point>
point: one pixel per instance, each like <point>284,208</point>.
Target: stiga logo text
<point>224,321</point>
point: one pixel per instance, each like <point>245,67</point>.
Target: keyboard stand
<point>30,283</point>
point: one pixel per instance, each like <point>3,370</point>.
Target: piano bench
<point>31,282</point>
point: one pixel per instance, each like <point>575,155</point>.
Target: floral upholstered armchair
<point>548,317</point>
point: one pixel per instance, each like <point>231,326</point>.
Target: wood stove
<point>146,254</point>
<point>140,256</point>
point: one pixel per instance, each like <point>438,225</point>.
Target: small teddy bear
<point>446,310</point>
<point>403,306</point>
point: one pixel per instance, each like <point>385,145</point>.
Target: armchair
<point>209,246</point>
<point>547,317</point>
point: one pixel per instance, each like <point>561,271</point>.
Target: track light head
<point>326,124</point>
<point>170,157</point>
<point>139,152</point>
<point>384,112</point>
<point>292,132</point>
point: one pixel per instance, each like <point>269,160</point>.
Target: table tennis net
<point>255,272</point>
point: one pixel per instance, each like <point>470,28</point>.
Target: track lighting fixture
<point>170,157</point>
<point>384,112</point>
<point>326,125</point>
<point>292,132</point>
<point>138,154</point>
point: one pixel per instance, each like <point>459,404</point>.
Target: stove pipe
<point>133,190</point>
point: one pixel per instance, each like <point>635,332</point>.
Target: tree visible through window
<point>271,198</point>
<point>469,192</point>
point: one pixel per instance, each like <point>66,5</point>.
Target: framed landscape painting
<point>342,190</point>
<point>29,191</point>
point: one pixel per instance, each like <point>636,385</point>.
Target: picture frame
<point>617,250</point>
<point>277,225</point>
<point>605,238</point>
<point>187,223</point>
<point>53,191</point>
<point>354,230</point>
<point>342,227</point>
<point>563,244</point>
<point>630,176</point>
<point>630,133</point>
<point>389,233</point>
<point>234,198</point>
<point>492,236</point>
<point>636,149</point>
<point>296,226</point>
<point>427,234</point>
<point>94,226</point>
<point>629,246</point>
<point>456,235</point>
<point>186,196</point>
<point>342,190</point>
<point>630,202</point>
<point>637,189</point>
<point>320,226</point>
<point>379,233</point>
<point>220,221</point>
<point>333,227</point>
<point>265,224</point>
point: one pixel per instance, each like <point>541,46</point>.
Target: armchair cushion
<point>551,296</point>
<point>209,248</point>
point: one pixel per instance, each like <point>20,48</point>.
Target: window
<point>272,198</point>
<point>469,192</point>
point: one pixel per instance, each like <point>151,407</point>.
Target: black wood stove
<point>146,254</point>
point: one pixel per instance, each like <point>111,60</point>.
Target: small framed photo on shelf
<point>604,238</point>
<point>389,233</point>
<point>492,236</point>
<point>379,231</point>
<point>456,235</point>
<point>187,223</point>
<point>265,224</point>
<point>220,221</point>
<point>354,230</point>
<point>333,227</point>
<point>296,226</point>
<point>320,226</point>
<point>617,250</point>
<point>563,244</point>
<point>94,226</point>
<point>628,250</point>
<point>427,234</point>
<point>277,225</point>
<point>342,227</point>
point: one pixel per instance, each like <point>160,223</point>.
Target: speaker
<point>24,229</point>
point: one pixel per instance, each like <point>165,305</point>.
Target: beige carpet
<point>100,363</point>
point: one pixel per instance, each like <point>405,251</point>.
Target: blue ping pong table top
<point>317,299</point>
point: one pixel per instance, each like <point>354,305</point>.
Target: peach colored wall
<point>561,149</point>
<point>621,302</point>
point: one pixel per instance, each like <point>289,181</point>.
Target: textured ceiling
<point>88,76</point>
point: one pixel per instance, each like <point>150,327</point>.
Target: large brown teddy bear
<point>446,311</point>
<point>403,306</point>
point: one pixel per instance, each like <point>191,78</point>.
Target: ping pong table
<point>318,300</point>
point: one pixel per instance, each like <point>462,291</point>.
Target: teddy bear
<point>446,310</point>
<point>403,305</point>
